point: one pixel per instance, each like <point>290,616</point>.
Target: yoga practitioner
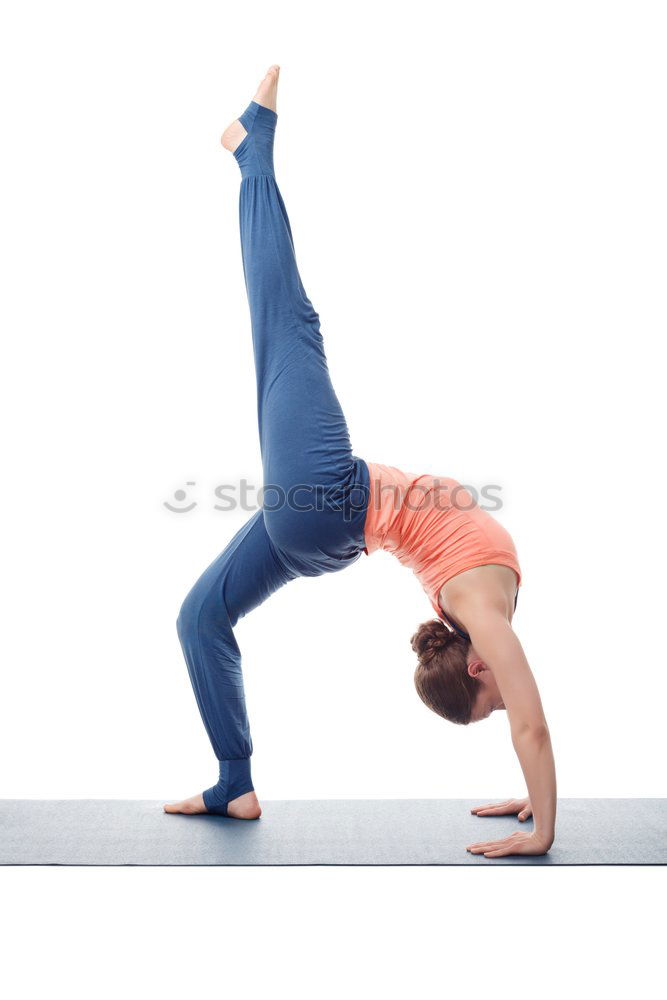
<point>323,507</point>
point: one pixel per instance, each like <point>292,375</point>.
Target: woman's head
<point>449,678</point>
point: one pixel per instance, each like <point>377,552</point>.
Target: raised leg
<point>316,490</point>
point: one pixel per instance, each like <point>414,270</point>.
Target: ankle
<point>254,154</point>
<point>245,807</point>
<point>234,782</point>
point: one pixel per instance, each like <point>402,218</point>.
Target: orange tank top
<point>433,526</point>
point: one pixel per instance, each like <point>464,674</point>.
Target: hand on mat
<point>509,807</point>
<point>517,843</point>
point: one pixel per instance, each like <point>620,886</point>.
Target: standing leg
<point>241,578</point>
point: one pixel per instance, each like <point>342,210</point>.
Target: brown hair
<point>441,678</point>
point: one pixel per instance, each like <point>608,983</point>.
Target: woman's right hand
<point>510,807</point>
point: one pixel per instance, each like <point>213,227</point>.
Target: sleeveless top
<point>433,526</point>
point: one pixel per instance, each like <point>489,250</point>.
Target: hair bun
<point>430,638</point>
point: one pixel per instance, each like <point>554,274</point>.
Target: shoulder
<point>480,592</point>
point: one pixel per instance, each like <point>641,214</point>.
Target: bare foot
<point>267,94</point>
<point>191,807</point>
<point>245,807</point>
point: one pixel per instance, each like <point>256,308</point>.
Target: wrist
<point>545,837</point>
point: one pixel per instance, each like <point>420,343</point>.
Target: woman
<point>323,507</point>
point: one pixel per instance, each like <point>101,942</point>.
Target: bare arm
<point>498,646</point>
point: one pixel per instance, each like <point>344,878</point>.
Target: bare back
<point>496,585</point>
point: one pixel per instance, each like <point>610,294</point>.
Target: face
<point>489,698</point>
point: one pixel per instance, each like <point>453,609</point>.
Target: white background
<point>478,202</point>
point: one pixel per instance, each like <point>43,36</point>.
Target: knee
<point>203,616</point>
<point>188,616</point>
<point>191,614</point>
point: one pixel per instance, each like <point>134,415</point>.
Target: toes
<point>268,88</point>
<point>184,807</point>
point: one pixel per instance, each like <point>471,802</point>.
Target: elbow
<point>530,732</point>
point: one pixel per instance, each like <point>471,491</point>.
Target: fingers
<point>490,845</point>
<point>509,806</point>
<point>518,843</point>
<point>492,811</point>
<point>492,808</point>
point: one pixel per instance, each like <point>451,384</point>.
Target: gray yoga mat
<point>321,832</point>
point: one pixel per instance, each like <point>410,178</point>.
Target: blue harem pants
<point>315,490</point>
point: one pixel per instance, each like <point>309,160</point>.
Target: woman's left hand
<point>517,843</point>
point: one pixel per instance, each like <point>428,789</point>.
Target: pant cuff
<point>235,780</point>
